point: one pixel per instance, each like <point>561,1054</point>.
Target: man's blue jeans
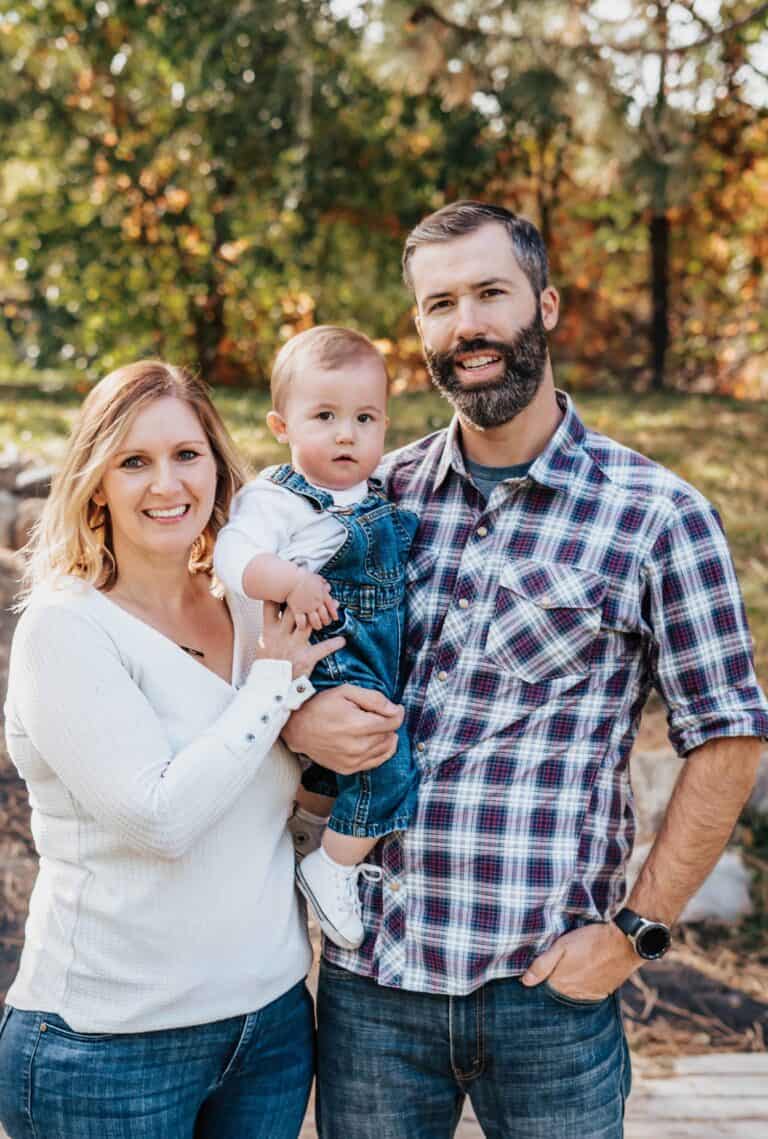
<point>397,1065</point>
<point>247,1077</point>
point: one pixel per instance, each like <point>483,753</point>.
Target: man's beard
<point>491,404</point>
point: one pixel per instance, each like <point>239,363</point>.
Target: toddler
<point>320,536</point>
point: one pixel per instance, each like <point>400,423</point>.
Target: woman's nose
<point>164,478</point>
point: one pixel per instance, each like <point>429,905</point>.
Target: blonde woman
<point>161,986</point>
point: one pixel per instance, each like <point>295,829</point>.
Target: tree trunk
<point>659,239</point>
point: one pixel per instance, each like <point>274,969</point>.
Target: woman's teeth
<point>171,512</point>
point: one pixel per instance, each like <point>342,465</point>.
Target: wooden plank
<point>741,1129</point>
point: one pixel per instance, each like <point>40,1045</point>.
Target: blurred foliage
<point>199,180</point>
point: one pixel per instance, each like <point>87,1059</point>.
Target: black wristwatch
<point>651,939</point>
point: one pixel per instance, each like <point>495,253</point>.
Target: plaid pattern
<point>537,625</point>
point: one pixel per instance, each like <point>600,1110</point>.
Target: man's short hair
<point>325,346</point>
<point>460,218</point>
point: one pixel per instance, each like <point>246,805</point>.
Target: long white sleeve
<point>83,711</point>
<point>159,793</point>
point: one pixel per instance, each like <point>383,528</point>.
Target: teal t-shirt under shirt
<point>486,479</point>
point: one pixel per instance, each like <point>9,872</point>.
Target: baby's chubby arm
<point>268,577</point>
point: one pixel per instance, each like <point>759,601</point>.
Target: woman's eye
<point>187,454</point>
<point>132,463</point>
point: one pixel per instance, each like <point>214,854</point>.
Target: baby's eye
<point>326,416</point>
<point>132,463</point>
<point>364,417</point>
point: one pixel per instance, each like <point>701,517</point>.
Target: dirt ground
<point>710,992</point>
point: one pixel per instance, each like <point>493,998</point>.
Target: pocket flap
<point>553,586</point>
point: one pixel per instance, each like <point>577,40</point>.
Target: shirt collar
<point>553,467</point>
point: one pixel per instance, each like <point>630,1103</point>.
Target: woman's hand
<point>281,639</point>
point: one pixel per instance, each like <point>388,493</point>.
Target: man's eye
<point>438,305</point>
<point>326,416</point>
<point>187,454</point>
<point>492,292</point>
<point>132,463</point>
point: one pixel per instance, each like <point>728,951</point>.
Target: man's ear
<point>550,307</point>
<point>417,322</point>
<point>277,426</point>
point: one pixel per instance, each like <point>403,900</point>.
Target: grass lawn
<point>719,445</point>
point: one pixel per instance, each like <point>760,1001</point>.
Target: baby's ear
<point>277,426</point>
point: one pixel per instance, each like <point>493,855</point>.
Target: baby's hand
<point>310,601</point>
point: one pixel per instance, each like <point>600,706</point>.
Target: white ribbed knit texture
<point>159,799</point>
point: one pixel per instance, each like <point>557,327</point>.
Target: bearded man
<point>556,577</point>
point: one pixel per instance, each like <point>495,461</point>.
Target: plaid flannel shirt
<point>537,624</point>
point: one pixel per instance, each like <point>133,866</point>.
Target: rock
<point>723,897</point>
<point>27,514</point>
<point>11,464</point>
<point>8,507</point>
<point>758,800</point>
<point>11,566</point>
<point>34,482</point>
<point>653,775</point>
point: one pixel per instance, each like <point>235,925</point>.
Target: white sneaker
<point>331,891</point>
<point>306,831</point>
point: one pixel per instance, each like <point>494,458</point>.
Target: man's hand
<point>310,601</point>
<point>586,964</point>
<point>346,729</point>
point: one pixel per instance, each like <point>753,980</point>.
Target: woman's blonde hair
<point>73,535</point>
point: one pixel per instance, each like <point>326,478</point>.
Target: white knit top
<point>159,797</point>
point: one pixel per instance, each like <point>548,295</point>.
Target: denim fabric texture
<point>247,1077</point>
<point>535,1064</point>
<point>367,578</point>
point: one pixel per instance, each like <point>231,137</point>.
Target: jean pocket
<point>572,1002</point>
<point>546,619</point>
<point>52,1022</point>
<point>335,972</point>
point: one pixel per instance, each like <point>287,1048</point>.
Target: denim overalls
<point>366,576</point>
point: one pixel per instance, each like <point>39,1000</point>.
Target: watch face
<point>653,941</point>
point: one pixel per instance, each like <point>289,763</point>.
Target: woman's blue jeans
<point>535,1064</point>
<point>247,1077</point>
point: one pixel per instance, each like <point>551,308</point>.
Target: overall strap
<point>287,477</point>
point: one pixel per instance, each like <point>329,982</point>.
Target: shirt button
<point>545,600</point>
<point>421,746</point>
<point>463,603</point>
<point>264,719</point>
<point>394,887</point>
<point>482,531</point>
<point>249,737</point>
<point>442,675</point>
<point>278,699</point>
<point>301,688</point>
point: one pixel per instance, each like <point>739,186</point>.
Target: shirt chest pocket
<point>545,620</point>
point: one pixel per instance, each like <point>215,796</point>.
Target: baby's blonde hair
<point>326,346</point>
<point>73,535</point>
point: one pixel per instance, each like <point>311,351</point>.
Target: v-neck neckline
<point>175,645</point>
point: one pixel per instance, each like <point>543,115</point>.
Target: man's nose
<point>470,321</point>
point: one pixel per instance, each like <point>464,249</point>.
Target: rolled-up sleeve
<point>701,659</point>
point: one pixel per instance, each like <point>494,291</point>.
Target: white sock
<point>343,866</point>
<point>308,817</point>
